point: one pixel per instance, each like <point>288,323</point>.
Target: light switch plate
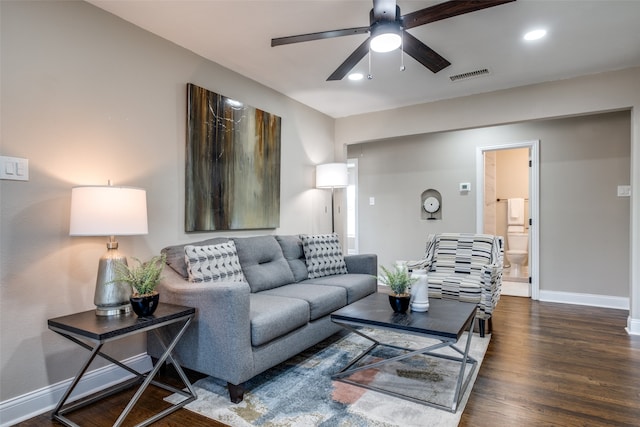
<point>624,191</point>
<point>14,168</point>
<point>465,186</point>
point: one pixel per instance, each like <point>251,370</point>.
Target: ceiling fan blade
<point>318,36</point>
<point>447,10</point>
<point>423,53</point>
<point>351,61</point>
<point>384,10</point>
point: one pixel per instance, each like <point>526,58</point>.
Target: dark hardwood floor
<point>547,365</point>
<point>557,365</point>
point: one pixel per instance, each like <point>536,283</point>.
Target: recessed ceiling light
<point>535,35</point>
<point>355,76</point>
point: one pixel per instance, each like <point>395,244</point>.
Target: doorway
<point>508,175</point>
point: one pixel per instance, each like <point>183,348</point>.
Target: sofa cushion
<point>263,263</point>
<point>357,286</point>
<point>323,255</point>
<point>272,316</point>
<point>213,263</point>
<point>175,254</point>
<point>322,300</point>
<point>294,254</point>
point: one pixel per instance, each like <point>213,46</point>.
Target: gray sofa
<point>244,328</point>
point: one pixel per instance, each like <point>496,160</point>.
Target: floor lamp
<point>332,175</point>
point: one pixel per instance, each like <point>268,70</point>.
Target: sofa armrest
<point>362,264</point>
<point>218,342</point>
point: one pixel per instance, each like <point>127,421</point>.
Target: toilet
<point>517,236</point>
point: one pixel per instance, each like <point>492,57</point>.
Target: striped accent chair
<point>465,267</point>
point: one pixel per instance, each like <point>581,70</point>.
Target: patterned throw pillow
<point>323,254</point>
<point>213,263</point>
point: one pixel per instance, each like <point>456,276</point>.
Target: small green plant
<point>143,277</point>
<point>397,278</point>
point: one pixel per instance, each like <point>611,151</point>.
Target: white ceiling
<point>584,37</point>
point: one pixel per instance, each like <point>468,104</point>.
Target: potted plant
<point>143,278</point>
<point>400,281</point>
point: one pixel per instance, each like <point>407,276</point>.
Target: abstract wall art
<point>232,164</point>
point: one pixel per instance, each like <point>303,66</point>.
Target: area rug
<point>300,392</point>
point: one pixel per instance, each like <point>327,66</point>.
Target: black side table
<point>92,332</point>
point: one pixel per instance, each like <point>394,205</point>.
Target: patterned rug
<point>300,392</point>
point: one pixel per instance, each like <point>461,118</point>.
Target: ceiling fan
<point>386,21</point>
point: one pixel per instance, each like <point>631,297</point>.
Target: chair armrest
<point>491,280</point>
<point>362,264</point>
<point>421,264</point>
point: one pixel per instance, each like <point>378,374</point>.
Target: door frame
<point>534,203</point>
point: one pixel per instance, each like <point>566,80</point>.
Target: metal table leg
<point>461,384</point>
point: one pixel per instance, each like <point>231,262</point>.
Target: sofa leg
<point>236,392</point>
<point>481,327</point>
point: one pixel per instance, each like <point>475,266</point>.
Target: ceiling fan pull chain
<point>402,51</point>
<point>369,76</point>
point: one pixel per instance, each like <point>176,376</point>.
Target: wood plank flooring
<point>547,365</point>
<point>557,365</point>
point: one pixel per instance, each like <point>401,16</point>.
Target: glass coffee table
<point>444,324</point>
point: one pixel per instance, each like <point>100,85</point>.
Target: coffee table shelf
<point>446,321</point>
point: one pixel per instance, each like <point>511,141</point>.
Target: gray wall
<point>87,97</point>
<point>584,226</point>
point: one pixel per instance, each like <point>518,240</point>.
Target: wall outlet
<point>14,168</point>
<point>465,186</point>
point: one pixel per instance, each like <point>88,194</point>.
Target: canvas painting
<point>232,164</point>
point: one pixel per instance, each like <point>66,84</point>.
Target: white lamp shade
<point>108,211</point>
<point>332,175</point>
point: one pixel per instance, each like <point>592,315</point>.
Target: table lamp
<point>332,175</point>
<point>109,211</point>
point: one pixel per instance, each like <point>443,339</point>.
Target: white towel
<point>515,211</point>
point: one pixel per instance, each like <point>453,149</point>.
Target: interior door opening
<point>508,207</point>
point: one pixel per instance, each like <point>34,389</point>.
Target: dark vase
<point>399,303</point>
<point>145,305</point>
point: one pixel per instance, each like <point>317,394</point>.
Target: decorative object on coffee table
<point>400,281</point>
<point>143,278</point>
<point>420,291</point>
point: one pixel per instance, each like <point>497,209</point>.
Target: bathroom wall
<point>512,180</point>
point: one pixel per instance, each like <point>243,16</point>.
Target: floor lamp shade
<point>332,175</point>
<point>109,211</point>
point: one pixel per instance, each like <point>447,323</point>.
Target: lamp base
<point>111,297</point>
<point>122,310</point>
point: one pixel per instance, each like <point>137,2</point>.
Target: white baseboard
<point>37,402</point>
<point>633,326</point>
<point>621,303</point>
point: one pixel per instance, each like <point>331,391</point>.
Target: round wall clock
<point>431,205</point>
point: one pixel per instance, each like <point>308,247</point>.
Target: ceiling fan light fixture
<point>356,76</point>
<point>385,37</point>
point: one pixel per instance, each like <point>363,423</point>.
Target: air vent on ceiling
<point>469,75</point>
